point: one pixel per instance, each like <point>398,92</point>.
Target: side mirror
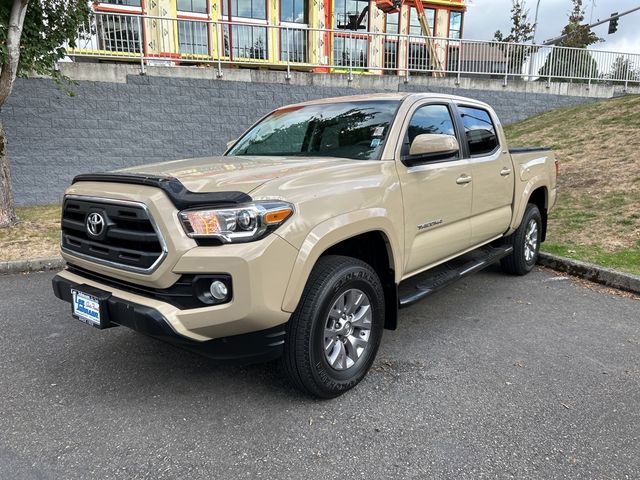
<point>430,146</point>
<point>230,143</point>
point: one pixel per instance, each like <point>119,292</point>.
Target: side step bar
<point>416,288</point>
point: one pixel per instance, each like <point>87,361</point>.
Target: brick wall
<point>107,125</point>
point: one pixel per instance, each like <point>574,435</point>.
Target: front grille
<point>128,240</point>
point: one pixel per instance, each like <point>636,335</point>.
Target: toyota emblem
<point>95,224</point>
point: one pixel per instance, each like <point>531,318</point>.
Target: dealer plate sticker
<point>86,307</point>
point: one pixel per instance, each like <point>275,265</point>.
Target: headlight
<point>243,223</point>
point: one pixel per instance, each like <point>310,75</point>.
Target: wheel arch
<point>374,249</point>
<point>540,198</point>
<point>367,238</point>
<point>535,192</point>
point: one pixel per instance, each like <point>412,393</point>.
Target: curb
<point>594,273</point>
<point>37,264</point>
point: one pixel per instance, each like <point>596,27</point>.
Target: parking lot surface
<point>495,377</point>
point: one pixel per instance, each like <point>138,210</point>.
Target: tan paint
<point>424,188</point>
<point>244,174</point>
<point>334,199</point>
<point>332,232</point>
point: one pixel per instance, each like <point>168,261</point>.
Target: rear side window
<point>479,130</point>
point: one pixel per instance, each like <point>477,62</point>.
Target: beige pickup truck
<point>307,236</point>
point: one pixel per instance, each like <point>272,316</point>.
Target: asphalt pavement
<point>495,377</point>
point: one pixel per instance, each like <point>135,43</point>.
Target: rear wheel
<point>525,242</point>
<point>334,334</point>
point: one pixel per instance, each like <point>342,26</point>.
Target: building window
<point>350,51</point>
<point>391,41</point>
<point>455,24</point>
<point>418,50</point>
<point>293,45</point>
<point>126,3</point>
<point>255,9</point>
<point>118,33</point>
<point>193,38</point>
<point>293,37</point>
<point>293,11</point>
<point>414,22</point>
<point>346,13</point>
<point>392,23</point>
<point>194,6</point>
<point>245,41</point>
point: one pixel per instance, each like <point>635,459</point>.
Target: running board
<point>420,286</point>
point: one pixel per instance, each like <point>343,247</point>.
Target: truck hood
<point>240,174</point>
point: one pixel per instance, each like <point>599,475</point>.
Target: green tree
<point>521,28</point>
<point>32,38</point>
<point>576,64</point>
<point>521,32</point>
<point>577,34</point>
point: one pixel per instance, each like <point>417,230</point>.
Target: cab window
<point>479,130</point>
<point>428,119</point>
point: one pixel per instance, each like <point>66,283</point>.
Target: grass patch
<point>627,260</point>
<point>597,215</point>
<point>37,234</point>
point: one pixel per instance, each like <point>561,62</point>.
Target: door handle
<point>462,179</point>
<point>505,171</point>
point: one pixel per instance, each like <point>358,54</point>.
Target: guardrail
<point>177,41</point>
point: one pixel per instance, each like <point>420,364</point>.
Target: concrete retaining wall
<point>118,118</point>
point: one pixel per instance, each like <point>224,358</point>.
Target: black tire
<point>517,263</point>
<point>304,360</point>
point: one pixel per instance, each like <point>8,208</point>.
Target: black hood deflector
<point>175,190</point>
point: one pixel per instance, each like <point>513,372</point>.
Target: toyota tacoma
<point>308,235</point>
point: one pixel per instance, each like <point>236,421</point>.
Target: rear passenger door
<point>493,178</point>
<point>436,194</point>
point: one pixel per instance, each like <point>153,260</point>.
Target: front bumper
<point>258,346</point>
<point>260,273</point>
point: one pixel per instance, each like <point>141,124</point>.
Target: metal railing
<point>175,41</point>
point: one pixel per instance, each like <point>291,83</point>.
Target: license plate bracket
<point>89,305</point>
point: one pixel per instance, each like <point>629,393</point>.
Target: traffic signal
<point>613,23</point>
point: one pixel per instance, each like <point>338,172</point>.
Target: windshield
<point>355,130</point>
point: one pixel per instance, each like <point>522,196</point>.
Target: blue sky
<point>484,17</point>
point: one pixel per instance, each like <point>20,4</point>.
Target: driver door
<point>437,194</point>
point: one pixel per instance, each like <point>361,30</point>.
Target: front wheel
<point>334,334</point>
<point>525,242</point>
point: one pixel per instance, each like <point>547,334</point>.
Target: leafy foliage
<point>577,34</point>
<point>32,41</point>
<point>521,32</point>
<point>580,65</point>
<point>521,28</point>
<point>48,26</point>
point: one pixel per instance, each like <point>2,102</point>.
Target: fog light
<point>218,290</point>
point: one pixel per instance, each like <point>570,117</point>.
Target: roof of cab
<point>399,96</point>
